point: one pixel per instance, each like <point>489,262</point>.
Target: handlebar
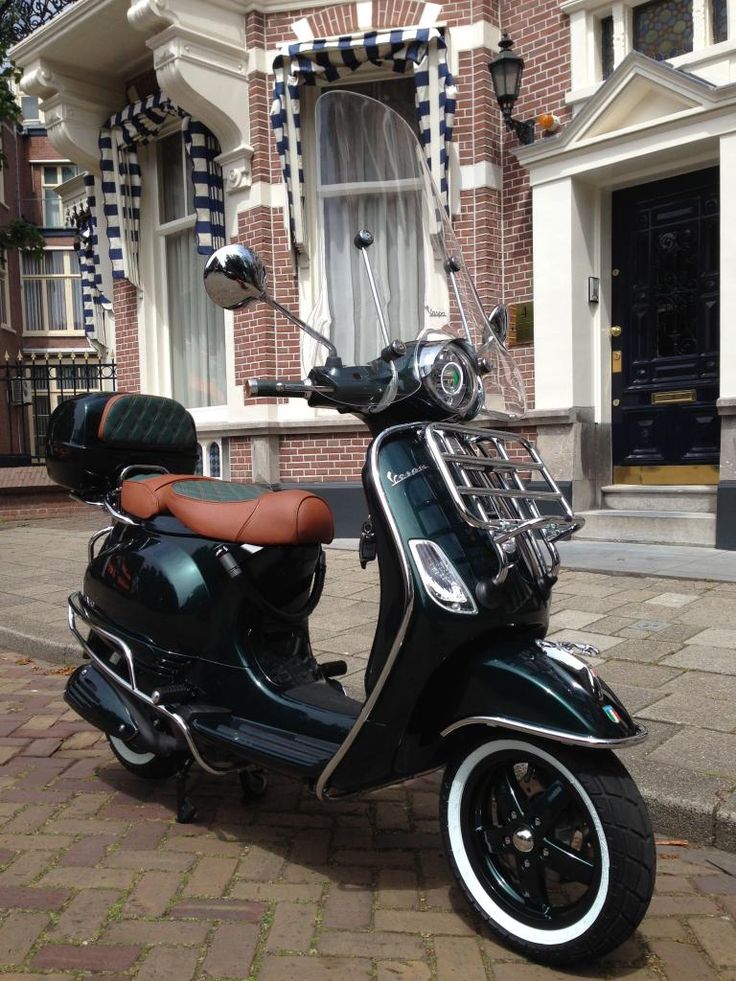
<point>272,387</point>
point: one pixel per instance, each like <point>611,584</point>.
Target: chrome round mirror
<point>234,277</point>
<point>498,321</point>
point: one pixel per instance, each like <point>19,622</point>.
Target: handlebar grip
<point>272,387</point>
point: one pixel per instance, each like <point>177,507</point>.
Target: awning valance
<point>94,301</point>
<point>130,128</point>
<point>421,50</point>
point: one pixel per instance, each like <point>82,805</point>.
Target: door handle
<point>614,331</point>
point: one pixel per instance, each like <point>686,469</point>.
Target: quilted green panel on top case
<point>147,420</point>
<point>217,491</point>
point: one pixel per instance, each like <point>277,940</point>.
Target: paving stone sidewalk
<point>97,880</point>
<point>668,648</point>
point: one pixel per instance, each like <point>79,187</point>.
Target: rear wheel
<point>150,766</point>
<point>552,846</point>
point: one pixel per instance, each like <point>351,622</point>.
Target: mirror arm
<point>300,323</point>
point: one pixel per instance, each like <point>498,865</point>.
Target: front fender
<point>538,688</point>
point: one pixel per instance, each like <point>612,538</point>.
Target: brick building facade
<point>535,223</point>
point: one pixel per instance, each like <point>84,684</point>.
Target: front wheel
<point>552,846</point>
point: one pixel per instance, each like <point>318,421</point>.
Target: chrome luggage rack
<point>489,475</point>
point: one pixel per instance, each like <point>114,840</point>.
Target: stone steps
<point>699,498</point>
<point>661,526</point>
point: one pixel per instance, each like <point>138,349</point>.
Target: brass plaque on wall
<point>521,326</point>
<point>616,363</point>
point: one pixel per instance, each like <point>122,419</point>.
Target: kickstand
<point>186,812</point>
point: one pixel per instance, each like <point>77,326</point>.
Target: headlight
<point>448,373</point>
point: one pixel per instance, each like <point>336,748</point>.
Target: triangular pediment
<point>640,95</point>
<point>639,101</point>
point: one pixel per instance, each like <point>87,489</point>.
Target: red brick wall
<point>52,504</point>
<point>322,458</point>
<point>541,36</point>
<point>127,351</point>
<point>241,467</point>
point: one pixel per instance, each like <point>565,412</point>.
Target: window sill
<point>75,335</point>
<point>9,330</point>
<point>272,420</point>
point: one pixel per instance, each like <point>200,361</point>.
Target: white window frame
<point>222,444</point>
<point>309,280</point>
<point>6,321</point>
<point>45,187</point>
<point>585,38</point>
<point>70,274</point>
<point>153,324</point>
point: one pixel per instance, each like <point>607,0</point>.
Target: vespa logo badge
<point>398,478</point>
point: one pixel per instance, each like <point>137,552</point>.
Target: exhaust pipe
<point>105,706</point>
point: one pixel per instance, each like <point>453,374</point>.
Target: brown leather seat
<point>145,496</point>
<point>232,512</point>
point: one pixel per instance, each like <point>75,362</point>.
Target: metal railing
<point>25,18</point>
<point>31,390</point>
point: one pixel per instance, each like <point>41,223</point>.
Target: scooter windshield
<point>372,177</point>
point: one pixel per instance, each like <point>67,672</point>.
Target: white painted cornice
<point>206,76</point>
<point>153,16</point>
<point>73,126</point>
<point>150,16</point>
<point>44,78</point>
<point>74,110</point>
<point>59,26</point>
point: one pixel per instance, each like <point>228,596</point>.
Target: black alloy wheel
<point>535,834</point>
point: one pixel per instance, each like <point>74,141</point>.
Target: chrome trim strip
<point>403,627</point>
<point>93,539</point>
<point>75,611</point>
<point>592,742</point>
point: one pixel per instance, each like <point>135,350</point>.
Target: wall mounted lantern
<point>506,70</point>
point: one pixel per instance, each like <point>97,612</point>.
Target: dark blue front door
<point>665,284</point>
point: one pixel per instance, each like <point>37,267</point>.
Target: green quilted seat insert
<point>217,491</point>
<point>147,421</point>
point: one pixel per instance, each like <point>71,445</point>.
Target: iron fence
<point>29,393</point>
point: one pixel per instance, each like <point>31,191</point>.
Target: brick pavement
<point>97,879</point>
<point>668,650</point>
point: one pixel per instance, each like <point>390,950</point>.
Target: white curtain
<point>196,328</point>
<point>367,180</point>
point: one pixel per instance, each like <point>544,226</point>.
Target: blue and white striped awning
<point>133,126</point>
<point>94,301</point>
<point>422,50</point>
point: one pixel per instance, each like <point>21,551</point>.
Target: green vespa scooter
<point>195,606</point>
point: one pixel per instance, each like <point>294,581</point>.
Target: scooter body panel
<point>163,593</point>
<point>450,666</point>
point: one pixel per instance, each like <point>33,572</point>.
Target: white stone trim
<point>472,37</point>
<point>728,263</point>
<point>483,174</point>
<point>364,11</point>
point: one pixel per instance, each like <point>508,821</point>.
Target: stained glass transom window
<point>663,29</point>
<point>606,46</point>
<point>720,20</point>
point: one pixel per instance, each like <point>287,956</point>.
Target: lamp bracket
<point>524,130</point>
